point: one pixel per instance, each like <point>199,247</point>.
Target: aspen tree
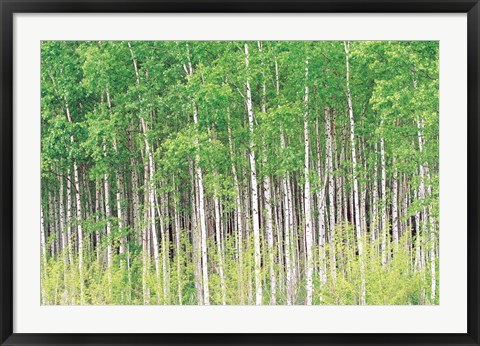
<point>395,207</point>
<point>384,229</point>
<point>203,226</point>
<point>238,210</point>
<point>321,197</point>
<point>358,228</point>
<point>254,188</point>
<point>286,204</point>
<point>178,250</point>
<point>218,236</point>
<point>331,192</point>
<point>308,197</point>
<point>374,221</point>
<point>268,198</point>
<point>108,214</point>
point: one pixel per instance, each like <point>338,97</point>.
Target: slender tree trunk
<point>108,213</point>
<point>344,179</point>
<point>119,193</point>
<point>288,229</point>
<point>165,240</point>
<point>200,196</point>
<point>384,229</point>
<point>277,202</point>
<point>254,191</point>
<point>331,193</point>
<point>79,214</point>
<point>50,238</point>
<point>43,259</point>
<point>426,217</point>
<point>395,207</point>
<point>196,237</point>
<point>135,193</point>
<point>58,229</point>
<point>219,241</point>
<point>431,235</point>
<point>145,238</point>
<point>307,198</point>
<point>151,186</point>
<point>427,220</point>
<point>267,193</point>
<point>178,250</point>
<point>374,221</point>
<point>203,225</point>
<point>69,217</point>
<point>120,216</point>
<point>238,212</point>
<point>321,206</point>
<point>79,231</point>
<point>287,219</point>
<point>358,228</point>
<point>43,238</point>
<point>98,208</point>
<point>293,239</point>
<point>62,230</point>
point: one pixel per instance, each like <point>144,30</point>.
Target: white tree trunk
<point>178,250</point>
<point>427,219</point>
<point>238,212</point>
<point>162,214</point>
<point>120,215</point>
<point>145,239</point>
<point>431,235</point>
<point>200,196</point>
<point>62,230</point>
<point>98,203</point>
<point>289,247</point>
<point>42,237</point>
<point>287,227</point>
<point>286,207</point>
<point>135,194</point>
<point>79,214</point>
<point>395,208</point>
<point>321,194</point>
<point>69,217</point>
<point>79,230</point>
<point>374,221</point>
<point>254,192</point>
<point>358,227</point>
<point>426,215</point>
<point>50,237</point>
<point>331,192</point>
<point>267,193</point>
<point>108,213</point>
<point>119,187</point>
<point>203,225</point>
<point>196,237</point>
<point>269,233</point>
<point>151,198</point>
<point>219,241</point>
<point>307,198</point>
<point>292,243</point>
<point>151,184</point>
<point>43,256</point>
<point>384,229</point>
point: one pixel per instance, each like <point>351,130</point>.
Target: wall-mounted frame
<point>21,18</point>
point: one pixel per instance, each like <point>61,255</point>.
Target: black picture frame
<point>9,8</point>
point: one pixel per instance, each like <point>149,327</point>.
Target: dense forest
<point>239,172</point>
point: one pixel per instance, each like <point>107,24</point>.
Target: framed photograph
<point>239,172</point>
